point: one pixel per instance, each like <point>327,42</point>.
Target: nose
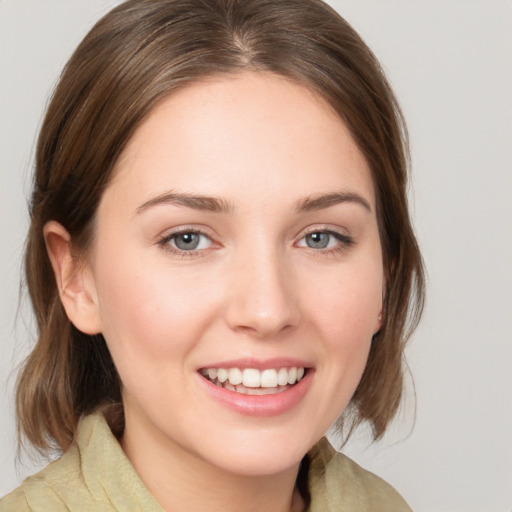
<point>263,300</point>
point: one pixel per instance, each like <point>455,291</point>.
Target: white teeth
<point>269,379</point>
<point>251,378</point>
<point>234,376</point>
<point>282,377</point>
<point>222,375</point>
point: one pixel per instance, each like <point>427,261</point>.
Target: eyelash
<point>164,242</point>
<point>345,242</point>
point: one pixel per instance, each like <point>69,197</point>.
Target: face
<point>236,273</point>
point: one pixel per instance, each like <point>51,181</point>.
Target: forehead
<point>229,135</point>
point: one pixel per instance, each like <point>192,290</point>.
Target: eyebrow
<point>196,202</point>
<point>321,201</point>
<point>217,205</point>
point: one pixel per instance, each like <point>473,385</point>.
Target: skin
<point>254,288</point>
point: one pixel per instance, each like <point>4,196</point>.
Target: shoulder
<point>47,490</point>
<point>338,483</point>
<point>94,474</point>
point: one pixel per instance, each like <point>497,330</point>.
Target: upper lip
<point>259,364</point>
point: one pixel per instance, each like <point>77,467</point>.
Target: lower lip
<point>260,405</point>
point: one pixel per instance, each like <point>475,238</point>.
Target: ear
<point>74,280</point>
<point>380,321</point>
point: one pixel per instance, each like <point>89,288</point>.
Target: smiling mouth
<point>251,381</point>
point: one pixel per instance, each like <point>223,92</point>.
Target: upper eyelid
<point>324,229</point>
<point>187,229</point>
<point>321,230</point>
<point>336,234</point>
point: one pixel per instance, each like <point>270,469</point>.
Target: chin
<point>256,453</point>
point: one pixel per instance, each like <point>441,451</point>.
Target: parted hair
<point>135,56</point>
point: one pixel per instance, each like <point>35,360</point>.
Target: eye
<point>318,240</point>
<point>186,241</point>
<point>325,239</point>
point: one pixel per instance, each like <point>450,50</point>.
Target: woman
<point>221,263</point>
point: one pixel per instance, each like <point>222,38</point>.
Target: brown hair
<point>135,56</point>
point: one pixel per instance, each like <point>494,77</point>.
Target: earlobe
<point>74,280</point>
<point>378,325</point>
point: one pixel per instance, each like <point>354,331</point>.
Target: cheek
<point>348,309</point>
<point>151,316</point>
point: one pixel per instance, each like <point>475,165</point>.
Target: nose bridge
<point>263,301</point>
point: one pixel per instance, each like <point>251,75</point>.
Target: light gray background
<point>450,62</point>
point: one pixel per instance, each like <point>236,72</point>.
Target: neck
<point>181,481</point>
